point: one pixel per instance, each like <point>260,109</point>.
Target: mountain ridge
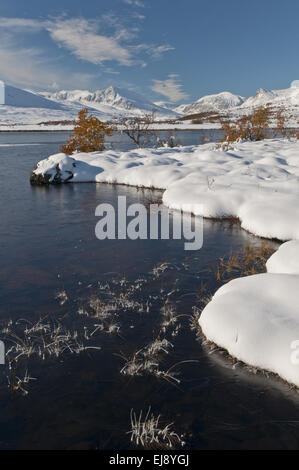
<point>114,97</point>
<point>29,107</point>
<point>214,102</point>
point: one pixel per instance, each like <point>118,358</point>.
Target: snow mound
<point>286,259</point>
<point>59,168</point>
<point>256,320</point>
<point>257,182</point>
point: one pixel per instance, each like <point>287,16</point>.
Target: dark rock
<point>44,178</point>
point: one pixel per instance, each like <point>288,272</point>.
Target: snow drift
<point>257,182</point>
<point>256,318</point>
<point>286,259</point>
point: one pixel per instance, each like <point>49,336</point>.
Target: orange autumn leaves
<point>88,135</point>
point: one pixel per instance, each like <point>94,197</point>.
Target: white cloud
<point>158,51</point>
<point>104,41</point>
<point>138,16</point>
<point>21,24</point>
<point>111,71</point>
<point>81,38</point>
<point>171,88</point>
<point>35,71</point>
<point>136,3</point>
<point>88,39</point>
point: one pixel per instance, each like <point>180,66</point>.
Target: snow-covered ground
<point>256,318</point>
<point>286,259</point>
<point>258,182</point>
<point>35,128</point>
<point>163,126</point>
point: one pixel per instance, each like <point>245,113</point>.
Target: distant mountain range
<point>226,101</point>
<point>28,107</point>
<point>219,102</point>
<point>112,100</point>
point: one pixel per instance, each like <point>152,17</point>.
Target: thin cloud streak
<point>85,39</point>
<point>171,88</point>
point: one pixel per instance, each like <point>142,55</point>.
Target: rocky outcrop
<point>53,170</point>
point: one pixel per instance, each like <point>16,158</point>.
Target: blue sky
<point>168,50</point>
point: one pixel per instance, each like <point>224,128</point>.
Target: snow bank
<point>258,182</point>
<point>286,259</point>
<point>256,320</point>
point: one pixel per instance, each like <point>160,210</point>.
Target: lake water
<point>48,245</point>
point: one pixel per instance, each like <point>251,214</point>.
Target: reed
<point>149,432</point>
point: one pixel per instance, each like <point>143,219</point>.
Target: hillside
<point>27,107</point>
<point>24,107</point>
<point>112,100</point>
<point>26,99</point>
<point>219,102</point>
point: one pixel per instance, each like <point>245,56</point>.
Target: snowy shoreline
<point>255,182</point>
<point>255,318</point>
<point>177,126</point>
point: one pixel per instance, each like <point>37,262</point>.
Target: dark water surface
<point>47,244</point>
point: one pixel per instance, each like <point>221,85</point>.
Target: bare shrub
<point>138,129</point>
<point>281,124</point>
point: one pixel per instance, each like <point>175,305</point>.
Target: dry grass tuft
<point>251,260</point>
<point>149,432</point>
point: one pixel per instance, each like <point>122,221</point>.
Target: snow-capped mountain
<point>218,102</point>
<point>287,97</point>
<point>112,100</point>
<point>27,107</point>
<point>166,105</point>
<point>260,98</point>
<point>25,99</point>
